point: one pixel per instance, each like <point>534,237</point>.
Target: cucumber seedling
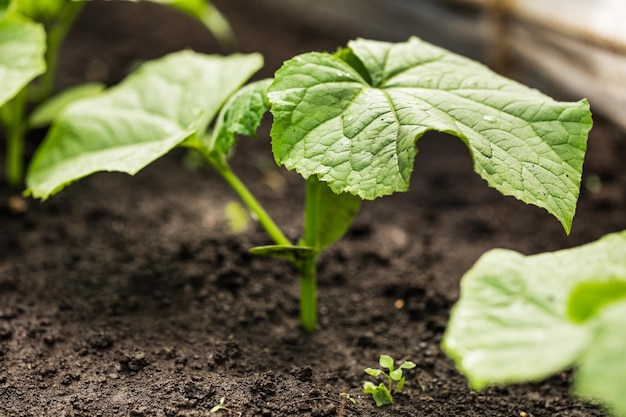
<point>382,393</point>
<point>348,122</point>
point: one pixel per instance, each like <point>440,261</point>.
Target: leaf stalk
<point>222,167</point>
<point>13,120</point>
<point>57,32</point>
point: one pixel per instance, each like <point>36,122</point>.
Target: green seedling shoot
<point>382,393</point>
<point>348,122</point>
<point>348,397</point>
<point>221,407</point>
<point>31,35</point>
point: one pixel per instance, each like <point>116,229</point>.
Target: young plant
<point>524,318</point>
<point>221,407</point>
<point>382,393</point>
<point>347,122</point>
<point>31,35</point>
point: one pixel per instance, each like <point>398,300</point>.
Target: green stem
<point>308,268</point>
<point>218,25</point>
<point>221,165</point>
<point>13,121</point>
<point>308,293</point>
<point>56,35</point>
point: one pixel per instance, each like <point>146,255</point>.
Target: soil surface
<point>130,296</point>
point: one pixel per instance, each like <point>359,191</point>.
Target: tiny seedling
<point>31,35</point>
<point>382,393</point>
<point>524,318</point>
<point>221,407</point>
<point>348,122</point>
<point>348,397</point>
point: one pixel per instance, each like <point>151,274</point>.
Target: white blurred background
<point>568,48</point>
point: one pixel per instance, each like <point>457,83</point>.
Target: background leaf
<point>40,10</point>
<point>22,49</point>
<point>131,125</point>
<point>511,323</point>
<point>358,133</point>
<point>205,12</point>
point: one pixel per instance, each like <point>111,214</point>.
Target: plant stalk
<point>221,166</point>
<point>57,33</point>
<point>308,293</point>
<point>308,267</point>
<point>13,121</point>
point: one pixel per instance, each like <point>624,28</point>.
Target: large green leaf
<point>131,125</point>
<point>353,118</point>
<point>512,322</point>
<point>22,49</point>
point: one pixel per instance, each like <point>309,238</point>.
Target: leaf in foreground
<point>22,49</point>
<point>519,319</point>
<point>602,369</point>
<point>152,111</point>
<point>353,118</point>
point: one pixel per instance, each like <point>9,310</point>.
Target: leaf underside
<point>357,131</point>
<point>152,111</point>
<point>515,320</point>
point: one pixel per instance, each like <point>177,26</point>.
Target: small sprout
<point>382,392</point>
<point>222,407</point>
<point>237,216</point>
<point>348,397</point>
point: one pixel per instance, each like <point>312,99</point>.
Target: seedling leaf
<point>380,393</point>
<point>386,361</point>
<point>400,385</point>
<point>295,254</point>
<point>149,113</point>
<point>45,113</point>
<point>407,365</point>
<point>330,214</point>
<point>358,133</point>
<point>396,374</point>
<point>512,322</point>
<point>241,115</point>
<point>22,49</point>
<point>373,372</point>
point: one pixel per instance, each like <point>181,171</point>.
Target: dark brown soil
<point>129,296</point>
